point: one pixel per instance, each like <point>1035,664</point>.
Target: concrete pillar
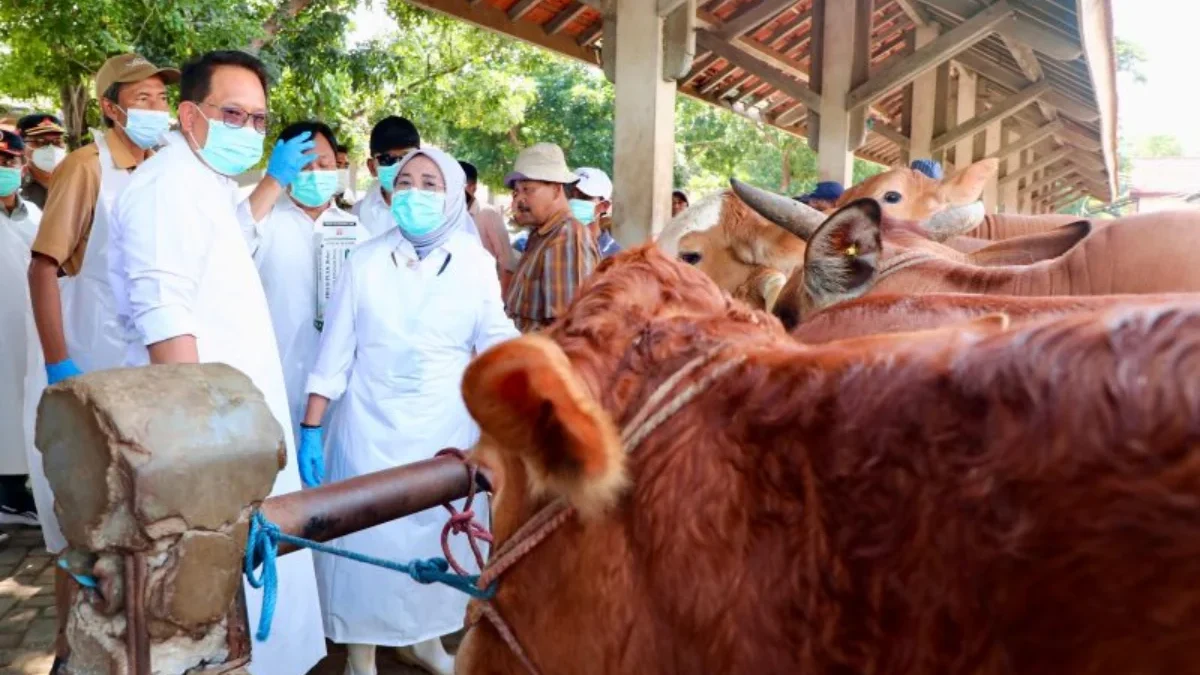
<point>968,89</point>
<point>991,190</point>
<point>923,102</point>
<point>644,129</point>
<point>844,63</point>
<point>155,506</point>
<point>1009,200</point>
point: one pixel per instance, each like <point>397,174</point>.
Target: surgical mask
<point>343,179</point>
<point>387,177</point>
<point>314,188</point>
<point>48,157</point>
<point>418,212</point>
<point>10,180</point>
<point>146,127</point>
<point>584,211</point>
<point>230,151</point>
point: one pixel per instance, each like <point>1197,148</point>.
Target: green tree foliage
<point>481,96</point>
<point>1159,145</point>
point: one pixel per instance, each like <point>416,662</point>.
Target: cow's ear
<point>1031,248</point>
<point>526,397</point>
<point>843,257</point>
<point>966,186</point>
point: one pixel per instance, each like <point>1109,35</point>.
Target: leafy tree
<point>1130,59</point>
<point>1160,145</point>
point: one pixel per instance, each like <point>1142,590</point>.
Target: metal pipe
<point>348,506</point>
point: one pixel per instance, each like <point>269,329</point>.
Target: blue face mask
<point>418,212</point>
<point>146,127</point>
<point>231,151</point>
<point>314,188</point>
<point>387,177</point>
<point>584,211</point>
<point>10,180</point>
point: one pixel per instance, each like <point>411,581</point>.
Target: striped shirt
<point>559,256</point>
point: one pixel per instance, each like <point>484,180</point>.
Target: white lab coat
<point>373,212</point>
<point>95,340</point>
<point>285,253</point>
<point>398,336</point>
<point>180,266</point>
<point>20,352</point>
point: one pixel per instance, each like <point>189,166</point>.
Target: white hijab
<point>455,215</point>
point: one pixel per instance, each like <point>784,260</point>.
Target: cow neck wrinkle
<point>658,408</point>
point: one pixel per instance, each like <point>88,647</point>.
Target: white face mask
<point>48,157</point>
<point>343,176</point>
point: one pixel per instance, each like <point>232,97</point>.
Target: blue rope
<point>262,547</point>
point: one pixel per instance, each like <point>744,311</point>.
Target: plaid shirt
<point>559,256</point>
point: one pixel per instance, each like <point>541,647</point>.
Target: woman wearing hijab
<point>410,309</point>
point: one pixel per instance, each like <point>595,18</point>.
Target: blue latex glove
<point>312,456</point>
<point>289,157</point>
<point>57,372</point>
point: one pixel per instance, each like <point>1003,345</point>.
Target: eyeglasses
<point>43,141</point>
<point>388,159</point>
<point>236,118</point>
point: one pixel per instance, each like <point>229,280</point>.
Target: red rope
<point>464,522</point>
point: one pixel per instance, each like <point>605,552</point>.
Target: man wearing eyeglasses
<point>45,147</point>
<point>391,139</point>
<point>187,290</point>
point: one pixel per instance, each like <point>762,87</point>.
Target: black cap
<point>11,143</point>
<point>39,124</point>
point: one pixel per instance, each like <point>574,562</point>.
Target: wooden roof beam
<point>893,135</point>
<point>1052,177</point>
<point>714,82</point>
<point>665,7</point>
<point>752,18</point>
<point>1027,141</point>
<point>1022,27</point>
<point>915,11</point>
<point>942,49</point>
<point>521,8</point>
<point>496,20</point>
<point>1027,171</point>
<point>1010,80</point>
<point>765,72</point>
<point>997,113</point>
<point>568,14</point>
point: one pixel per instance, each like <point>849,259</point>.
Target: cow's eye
<point>690,257</point>
<point>892,197</point>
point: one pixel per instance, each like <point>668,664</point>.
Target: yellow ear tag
<point>852,251</point>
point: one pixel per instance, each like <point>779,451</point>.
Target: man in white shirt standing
<point>299,249</point>
<point>187,290</point>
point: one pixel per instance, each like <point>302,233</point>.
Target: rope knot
<point>429,571</point>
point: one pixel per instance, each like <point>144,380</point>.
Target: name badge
<point>334,241</point>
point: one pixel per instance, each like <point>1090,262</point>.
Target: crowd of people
<point>355,315</point>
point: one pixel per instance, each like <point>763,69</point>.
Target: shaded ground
<point>27,622</point>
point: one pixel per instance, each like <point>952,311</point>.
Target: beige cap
<point>125,68</point>
<point>543,162</point>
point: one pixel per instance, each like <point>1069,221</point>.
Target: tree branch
<point>285,12</point>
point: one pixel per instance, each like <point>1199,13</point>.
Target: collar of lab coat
<point>403,251</point>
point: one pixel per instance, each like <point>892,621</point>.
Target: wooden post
<point>644,148</point>
<point>968,94</point>
<point>1009,200</point>
<point>991,189</point>
<point>922,95</point>
<point>844,65</point>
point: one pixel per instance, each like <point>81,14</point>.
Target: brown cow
<point>1024,503</point>
<point>849,256</point>
<point>888,314</point>
<point>730,237</point>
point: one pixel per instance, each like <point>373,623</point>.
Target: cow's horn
<point>799,219</point>
<point>955,221</point>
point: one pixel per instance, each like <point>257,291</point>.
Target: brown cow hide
<point>1025,502</point>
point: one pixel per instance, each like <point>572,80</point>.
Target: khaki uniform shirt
<point>71,206</point>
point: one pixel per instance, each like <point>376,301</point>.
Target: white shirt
<point>179,265</point>
<point>285,252</point>
<point>373,211</point>
<point>23,220</point>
